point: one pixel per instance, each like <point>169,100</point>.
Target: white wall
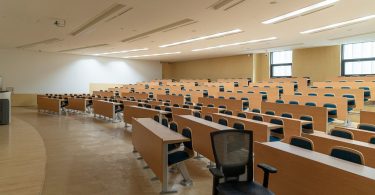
<point>40,72</point>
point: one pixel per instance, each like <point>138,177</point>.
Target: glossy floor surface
<point>78,154</point>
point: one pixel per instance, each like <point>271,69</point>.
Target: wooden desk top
<point>357,169</point>
<point>294,119</point>
<point>354,142</point>
<point>159,130</point>
<point>159,111</point>
<point>205,122</point>
<point>269,125</point>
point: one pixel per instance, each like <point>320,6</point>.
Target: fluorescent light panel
<point>204,37</point>
<point>337,25</point>
<point>300,11</point>
<point>151,55</point>
<point>236,44</point>
<point>116,52</point>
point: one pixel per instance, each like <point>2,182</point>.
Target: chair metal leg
<point>185,174</point>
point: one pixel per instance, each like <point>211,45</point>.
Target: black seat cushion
<point>237,188</point>
<point>176,157</point>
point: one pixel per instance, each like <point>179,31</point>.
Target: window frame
<point>343,61</point>
<point>283,64</point>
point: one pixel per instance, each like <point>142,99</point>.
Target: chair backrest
<point>287,115</point>
<point>258,118</point>
<point>197,114</point>
<point>256,110</point>
<point>228,112</point>
<point>293,102</point>
<point>241,114</point>
<point>173,126</point>
<point>301,142</point>
<point>199,104</point>
<point>222,106</point>
<point>297,93</point>
<point>187,133</point>
<point>185,106</point>
<point>372,140</point>
<point>167,104</point>
<point>312,94</point>
<point>168,109</point>
<point>148,106</point>
<point>348,95</point>
<point>341,133</point>
<point>329,95</point>
<point>157,108</point>
<point>208,118</point>
<point>223,121</point>
<point>176,105</point>
<point>329,105</point>
<point>367,127</point>
<point>156,118</point>
<point>270,112</point>
<point>310,104</point>
<point>306,118</point>
<point>276,121</point>
<point>347,154</point>
<point>233,152</point>
<point>140,105</point>
<point>164,122</point>
<point>197,108</point>
<point>238,126</point>
<point>210,105</point>
<point>232,98</point>
<point>279,101</point>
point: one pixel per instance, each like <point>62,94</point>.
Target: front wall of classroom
<point>319,63</point>
<point>224,67</point>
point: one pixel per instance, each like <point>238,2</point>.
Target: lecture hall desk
<point>150,139</point>
<point>141,112</point>
<point>305,172</point>
<point>105,108</point>
<point>200,130</point>
<point>50,104</point>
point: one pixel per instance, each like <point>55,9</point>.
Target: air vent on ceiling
<point>170,29</point>
<point>86,47</point>
<point>119,14</point>
<point>103,15</point>
<point>48,41</point>
<point>228,4</point>
<point>350,36</point>
<point>234,5</point>
<point>160,29</point>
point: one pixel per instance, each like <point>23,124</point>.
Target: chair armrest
<point>267,168</point>
<point>216,172</point>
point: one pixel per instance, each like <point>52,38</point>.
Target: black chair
<point>256,110</point>
<point>347,154</point>
<point>310,104</point>
<point>293,102</point>
<point>197,114</point>
<point>228,112</point>
<point>222,106</point>
<point>185,106</point>
<point>169,109</point>
<point>372,140</point>
<point>177,157</point>
<point>223,121</point>
<point>367,127</point>
<point>197,108</point>
<point>233,152</point>
<point>210,105</point>
<point>279,101</point>
<point>278,131</point>
<point>167,104</point>
<point>269,112</point>
<point>257,118</point>
<point>241,114</point>
<point>176,105</point>
<point>174,127</point>
<point>164,122</point>
<point>157,108</point>
<point>208,118</point>
<point>307,128</point>
<point>342,133</point>
<point>287,115</point>
<point>147,106</point>
<point>140,105</point>
<point>239,126</point>
<point>302,142</point>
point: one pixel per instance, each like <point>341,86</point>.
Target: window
<point>358,59</point>
<point>281,64</point>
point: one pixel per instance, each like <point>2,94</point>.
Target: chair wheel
<point>186,182</point>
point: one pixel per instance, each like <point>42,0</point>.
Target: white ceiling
<point>24,22</point>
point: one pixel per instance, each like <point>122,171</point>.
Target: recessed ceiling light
<point>236,44</point>
<point>151,55</point>
<point>203,37</point>
<point>340,24</point>
<point>300,11</point>
<point>116,52</point>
